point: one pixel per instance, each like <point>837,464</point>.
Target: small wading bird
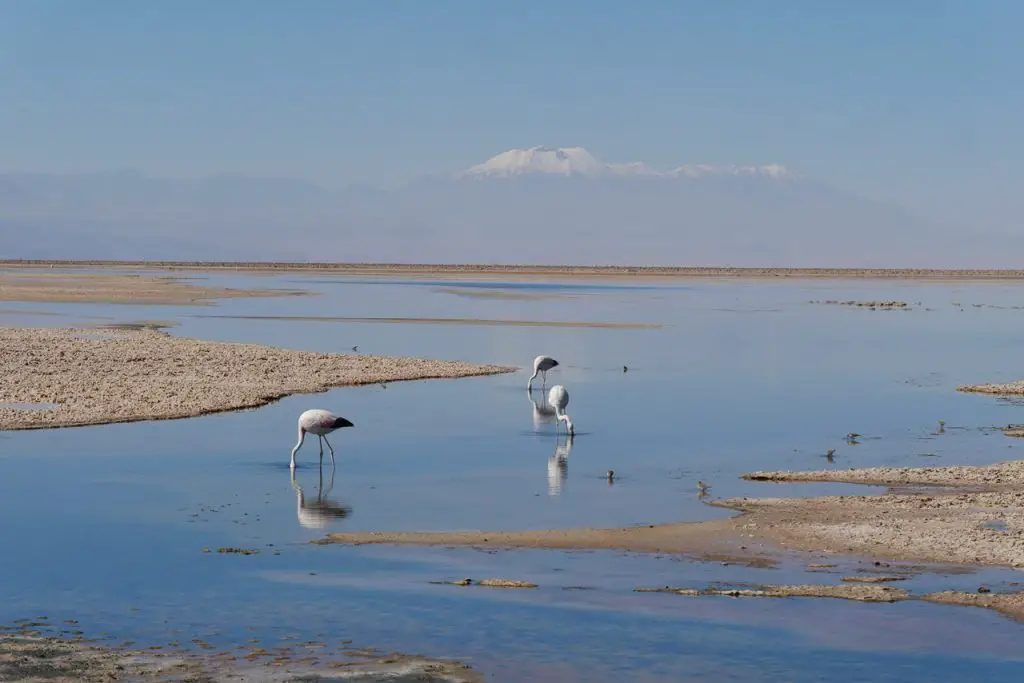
<point>319,422</point>
<point>558,398</point>
<point>541,365</point>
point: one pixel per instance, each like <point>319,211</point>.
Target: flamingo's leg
<point>331,448</point>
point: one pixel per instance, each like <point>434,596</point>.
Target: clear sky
<point>914,101</point>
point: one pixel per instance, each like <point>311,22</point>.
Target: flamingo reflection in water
<point>318,513</point>
<point>542,412</point>
<point>558,466</point>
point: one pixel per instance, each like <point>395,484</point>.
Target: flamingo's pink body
<point>320,422</point>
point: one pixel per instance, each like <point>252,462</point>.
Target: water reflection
<point>558,466</point>
<point>543,413</point>
<point>318,513</point>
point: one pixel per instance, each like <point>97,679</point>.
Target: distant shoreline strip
<point>535,270</point>
<point>438,321</point>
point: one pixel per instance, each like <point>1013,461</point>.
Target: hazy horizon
<point>897,119</point>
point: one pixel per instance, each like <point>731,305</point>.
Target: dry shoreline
<point>528,270</point>
<point>104,376</point>
<point>119,288</point>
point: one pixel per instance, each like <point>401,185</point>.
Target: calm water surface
<point>108,524</point>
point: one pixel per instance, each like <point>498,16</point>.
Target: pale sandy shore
<point>28,655</point>
<point>117,288</point>
<point>527,271</point>
<point>968,515</point>
<point>100,376</point>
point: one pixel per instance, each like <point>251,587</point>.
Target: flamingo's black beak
<point>342,422</point>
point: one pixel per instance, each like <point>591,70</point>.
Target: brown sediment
<point>126,375</point>
<point>118,288</point>
<point>717,540</point>
<point>1010,604</point>
<point>27,656</point>
<point>533,270</point>
<point>885,305</point>
<point>503,294</point>
<point>863,593</point>
<point>491,583</point>
<point>440,321</point>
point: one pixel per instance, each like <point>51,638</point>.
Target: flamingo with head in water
<point>541,365</point>
<point>558,398</point>
<point>320,422</point>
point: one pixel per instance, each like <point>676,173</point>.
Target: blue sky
<point>916,102</point>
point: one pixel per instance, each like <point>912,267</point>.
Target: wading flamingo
<point>319,422</point>
<point>541,365</point>
<point>558,398</point>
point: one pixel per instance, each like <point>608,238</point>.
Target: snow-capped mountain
<point>538,205</point>
<point>577,161</point>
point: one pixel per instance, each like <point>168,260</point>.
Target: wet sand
<point>528,271</point>
<point>124,288</point>
<point>28,656</point>
<point>947,515</point>
<point>127,374</point>
<point>717,540</point>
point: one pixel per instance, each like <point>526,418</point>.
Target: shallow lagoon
<point>108,524</point>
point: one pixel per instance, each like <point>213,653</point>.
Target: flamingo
<point>558,398</point>
<point>541,365</point>
<point>320,422</point>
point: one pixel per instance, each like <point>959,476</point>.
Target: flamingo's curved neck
<point>302,437</point>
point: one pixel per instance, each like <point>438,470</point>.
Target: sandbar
<point>118,288</point>
<point>103,376</point>
<point>998,388</point>
<point>531,271</point>
<point>969,515</point>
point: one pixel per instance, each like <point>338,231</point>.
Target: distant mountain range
<point>576,161</point>
<point>539,205</point>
